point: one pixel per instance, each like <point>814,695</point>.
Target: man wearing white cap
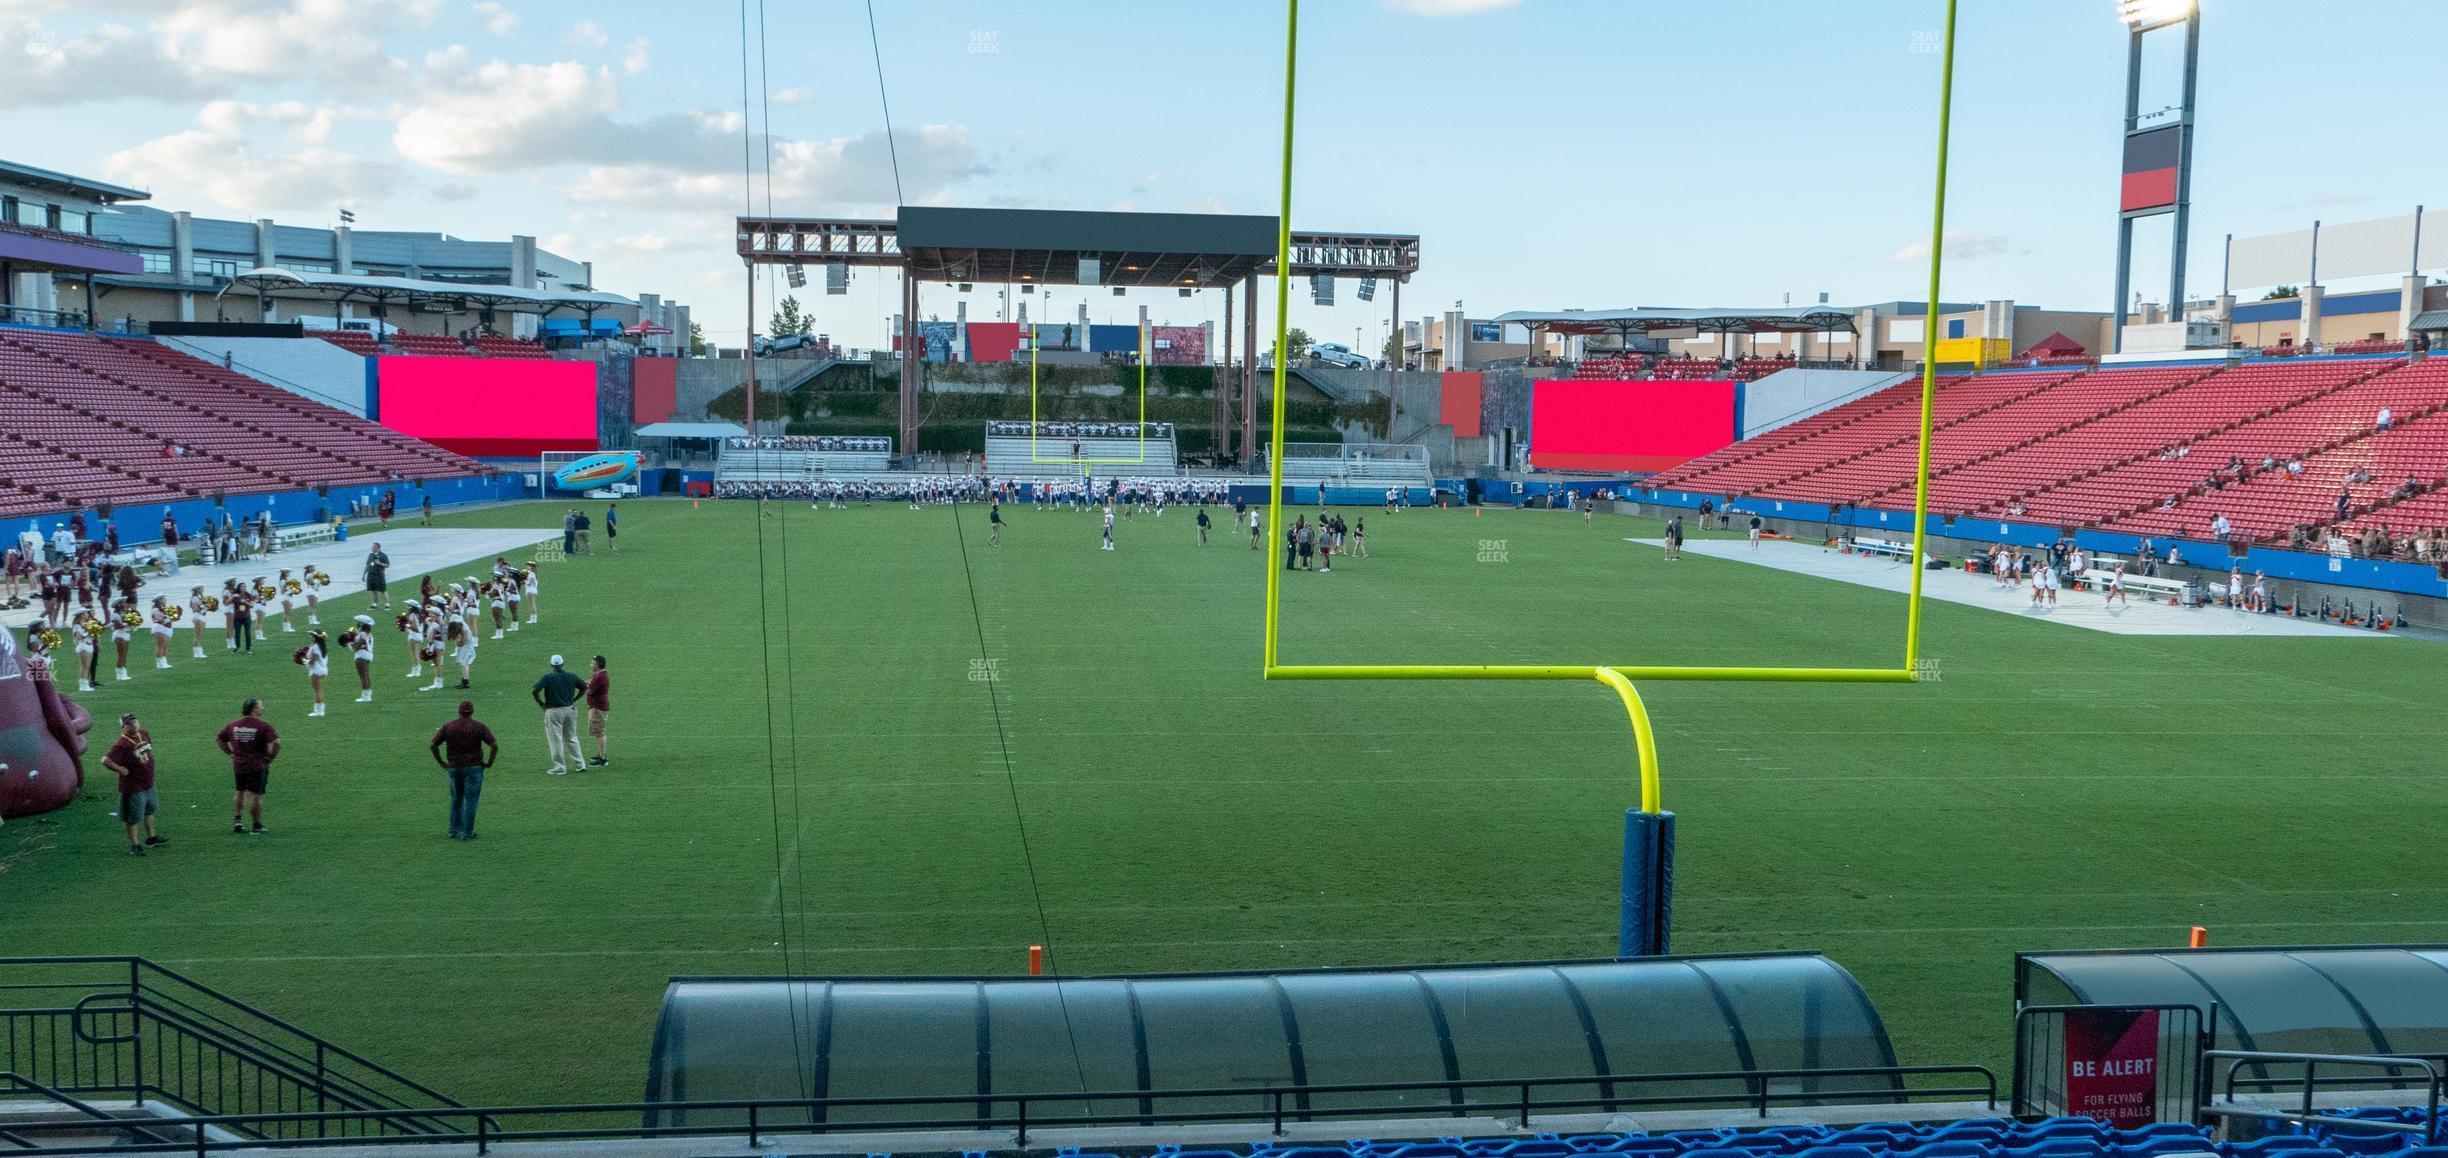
<point>557,693</point>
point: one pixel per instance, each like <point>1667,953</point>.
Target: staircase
<point>119,1047</point>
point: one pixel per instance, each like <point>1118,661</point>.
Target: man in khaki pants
<point>556,693</point>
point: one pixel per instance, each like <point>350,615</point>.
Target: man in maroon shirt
<point>599,709</point>
<point>251,745</point>
<point>464,748</point>
<point>132,759</point>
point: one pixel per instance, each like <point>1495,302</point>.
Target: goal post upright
<point>1648,874</point>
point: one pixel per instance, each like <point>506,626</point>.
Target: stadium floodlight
<point>837,277</point>
<point>796,275</point>
<point>1321,289</point>
<point>1368,289</point>
<point>1117,291</point>
<point>2145,14</point>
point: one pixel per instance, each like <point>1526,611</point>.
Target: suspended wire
<point>890,145</point>
<point>1011,780</point>
<point>773,778</point>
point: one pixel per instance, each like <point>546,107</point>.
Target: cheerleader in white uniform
<point>165,625</point>
<point>430,650</point>
<point>412,628</point>
<point>88,632</point>
<point>318,665</point>
<point>463,649</point>
<point>359,640</point>
<point>122,631</point>
<point>289,589</point>
<point>471,603</point>
<point>527,580</point>
<point>313,580</point>
<point>231,608</point>
<point>199,605</point>
<point>494,600</point>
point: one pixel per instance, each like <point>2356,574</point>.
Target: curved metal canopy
<point>762,1037</point>
<point>2353,999</point>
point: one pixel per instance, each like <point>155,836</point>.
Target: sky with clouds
<point>1551,153</point>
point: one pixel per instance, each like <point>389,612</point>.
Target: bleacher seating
<point>430,345</point>
<point>353,341</point>
<point>1008,456</point>
<point>493,346</point>
<point>1970,1138</point>
<point>2201,402</point>
<point>2152,450</point>
<point>767,465</point>
<point>1684,368</point>
<point>85,420</point>
<point>1612,366</point>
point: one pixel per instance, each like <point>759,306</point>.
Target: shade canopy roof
<point>358,287</point>
<point>771,1037</point>
<point>691,430</point>
<point>1049,247</point>
<point>2387,999</point>
<point>1711,320</point>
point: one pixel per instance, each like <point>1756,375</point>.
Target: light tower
<point>2158,169</point>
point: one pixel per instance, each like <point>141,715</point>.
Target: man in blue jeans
<point>465,748</point>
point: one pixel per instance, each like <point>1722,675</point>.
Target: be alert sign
<point>2112,1065</point>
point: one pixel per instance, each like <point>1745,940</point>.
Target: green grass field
<point>802,755</point>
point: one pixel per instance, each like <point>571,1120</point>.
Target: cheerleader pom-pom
<point>298,657</point>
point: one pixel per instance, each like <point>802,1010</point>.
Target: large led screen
<point>489,407</point>
<point>1627,426</point>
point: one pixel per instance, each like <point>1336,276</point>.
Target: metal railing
<point>2430,1067</point>
<point>758,1119</point>
<point>2180,1080</point>
<point>123,1027</point>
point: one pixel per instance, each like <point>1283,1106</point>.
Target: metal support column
<point>2184,170</point>
<point>1249,367</point>
<point>1224,387</point>
<point>912,349</point>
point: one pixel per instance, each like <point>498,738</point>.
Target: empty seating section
<point>435,345</point>
<point>1849,463</point>
<point>353,341</point>
<point>2201,402</point>
<point>1699,471</point>
<point>2251,429</point>
<point>85,420</point>
<point>431,345</point>
<point>2153,450</point>
<point>494,347</point>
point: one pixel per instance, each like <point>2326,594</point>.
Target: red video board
<point>489,407</point>
<point>1627,426</point>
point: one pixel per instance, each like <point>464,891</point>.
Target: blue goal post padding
<point>1648,884</point>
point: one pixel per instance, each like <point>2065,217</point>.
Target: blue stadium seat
<point>1840,1151</point>
<point>1974,1147</point>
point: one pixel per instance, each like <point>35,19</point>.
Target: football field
<point>867,742</point>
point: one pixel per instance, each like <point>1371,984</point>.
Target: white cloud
<point>497,20</point>
<point>223,160</point>
<point>500,117</point>
<point>1961,244</point>
<point>795,96</point>
<point>643,242</point>
<point>587,34</point>
<point>842,170</point>
<point>455,191</point>
<point>1142,182</point>
<point>634,56</point>
<point>1448,7</point>
<point>195,49</point>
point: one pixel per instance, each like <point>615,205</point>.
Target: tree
<point>1393,350</point>
<point>1297,343</point>
<point>2284,291</point>
<point>789,321</point>
<point>697,345</point>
